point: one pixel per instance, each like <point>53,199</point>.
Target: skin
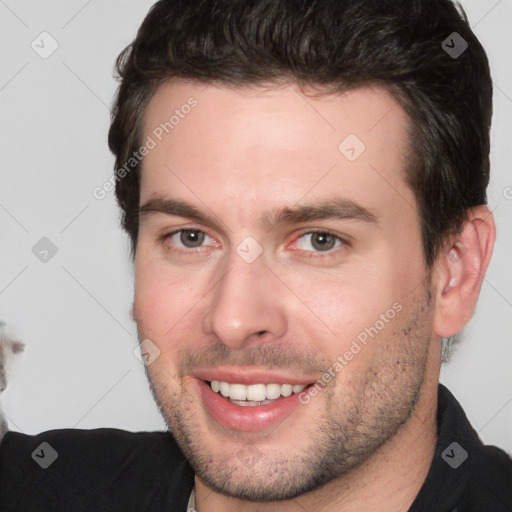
<point>239,154</point>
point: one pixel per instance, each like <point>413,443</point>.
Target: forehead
<point>264,146</point>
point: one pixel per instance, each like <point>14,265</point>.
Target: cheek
<point>346,302</point>
<point>350,313</point>
<point>163,301</point>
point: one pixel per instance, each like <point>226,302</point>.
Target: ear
<point>460,270</point>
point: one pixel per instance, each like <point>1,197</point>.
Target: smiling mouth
<point>254,394</point>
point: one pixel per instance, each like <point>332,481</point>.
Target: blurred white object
<point>9,346</point>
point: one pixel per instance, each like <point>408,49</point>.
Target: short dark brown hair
<point>336,44</point>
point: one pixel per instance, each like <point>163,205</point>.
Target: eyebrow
<point>334,208</point>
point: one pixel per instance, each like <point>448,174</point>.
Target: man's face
<point>305,265</point>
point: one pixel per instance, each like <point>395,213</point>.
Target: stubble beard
<point>356,420</point>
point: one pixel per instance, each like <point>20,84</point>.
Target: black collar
<point>465,475</point>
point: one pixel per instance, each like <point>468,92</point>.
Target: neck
<point>388,481</point>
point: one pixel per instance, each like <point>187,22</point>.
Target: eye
<point>188,238</point>
<point>320,241</point>
<point>312,241</point>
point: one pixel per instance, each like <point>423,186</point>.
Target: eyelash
<point>310,254</point>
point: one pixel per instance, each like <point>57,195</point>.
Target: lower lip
<point>250,418</point>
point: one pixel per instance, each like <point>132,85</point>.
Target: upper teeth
<point>255,392</point>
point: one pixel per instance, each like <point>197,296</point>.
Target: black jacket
<point>108,469</point>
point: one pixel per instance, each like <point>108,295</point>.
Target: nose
<point>245,304</point>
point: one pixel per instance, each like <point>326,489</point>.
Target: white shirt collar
<point>191,507</point>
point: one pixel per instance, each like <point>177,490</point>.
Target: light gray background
<point>78,369</point>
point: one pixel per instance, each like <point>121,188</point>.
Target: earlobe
<point>460,270</point>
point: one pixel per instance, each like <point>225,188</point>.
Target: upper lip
<point>250,375</point>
